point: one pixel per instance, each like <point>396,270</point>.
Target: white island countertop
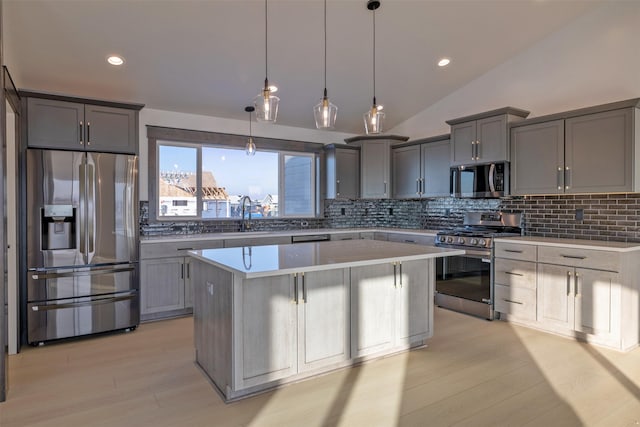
<point>273,260</point>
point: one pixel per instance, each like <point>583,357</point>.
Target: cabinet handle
<point>515,251</point>
<point>418,186</point>
<point>568,283</point>
<point>395,276</point>
<point>88,133</point>
<point>409,241</point>
<point>574,256</point>
<point>473,150</point>
<point>575,281</point>
<point>512,301</point>
<point>304,289</point>
<point>477,150</point>
<point>295,288</point>
<point>337,187</point>
<point>567,178</point>
<point>188,271</point>
<point>513,274</point>
<point>182,271</point>
<point>185,249</point>
<point>385,188</point>
<point>80,127</point>
<point>400,273</point>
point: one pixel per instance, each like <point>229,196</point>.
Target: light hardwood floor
<point>473,373</point>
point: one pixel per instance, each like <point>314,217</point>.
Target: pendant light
<point>250,148</point>
<point>266,104</point>
<point>325,112</point>
<point>374,118</point>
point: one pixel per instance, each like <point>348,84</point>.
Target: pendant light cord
<point>325,48</point>
<point>266,44</point>
<point>374,56</point>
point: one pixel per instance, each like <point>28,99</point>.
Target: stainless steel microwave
<point>488,180</point>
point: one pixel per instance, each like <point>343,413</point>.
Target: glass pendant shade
<point>266,106</point>
<point>325,114</point>
<point>373,120</point>
<point>250,148</point>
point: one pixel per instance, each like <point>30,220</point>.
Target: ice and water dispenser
<point>58,227</point>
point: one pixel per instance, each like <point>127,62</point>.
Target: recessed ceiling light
<point>444,62</point>
<point>115,60</point>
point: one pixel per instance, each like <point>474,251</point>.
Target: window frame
<point>157,135</point>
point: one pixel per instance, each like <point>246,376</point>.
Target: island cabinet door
<point>323,319</point>
<point>597,303</point>
<point>264,330</point>
<point>372,309</point>
<point>414,298</point>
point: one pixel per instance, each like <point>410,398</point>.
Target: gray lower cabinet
<point>165,277</point>
<point>162,285</point>
<point>342,171</point>
<point>581,153</point>
<point>391,307</point>
<point>422,169</point>
<point>77,126</point>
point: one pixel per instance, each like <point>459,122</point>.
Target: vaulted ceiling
<point>208,56</point>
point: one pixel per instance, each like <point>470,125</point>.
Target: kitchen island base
<point>254,332</point>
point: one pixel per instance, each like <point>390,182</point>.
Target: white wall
<point>593,60</point>
<point>172,119</point>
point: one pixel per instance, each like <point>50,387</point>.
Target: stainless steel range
<point>463,283</point>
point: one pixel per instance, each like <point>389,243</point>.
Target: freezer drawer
<point>50,320</point>
<point>74,282</point>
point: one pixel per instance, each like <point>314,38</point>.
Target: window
<point>209,181</point>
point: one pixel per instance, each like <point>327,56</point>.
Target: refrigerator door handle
<point>82,211</point>
<point>81,304</point>
<point>91,213</point>
<point>38,276</point>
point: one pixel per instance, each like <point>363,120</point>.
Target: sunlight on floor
<point>589,379</point>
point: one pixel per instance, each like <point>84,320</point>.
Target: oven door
<point>463,283</point>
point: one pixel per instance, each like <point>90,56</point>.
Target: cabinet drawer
<point>411,238</point>
<point>515,273</point>
<point>345,236</point>
<point>517,302</point>
<point>575,257</point>
<point>173,249</point>
<point>515,251</point>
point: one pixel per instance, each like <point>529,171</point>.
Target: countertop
<point>273,260</point>
<point>298,232</point>
<point>600,245</point>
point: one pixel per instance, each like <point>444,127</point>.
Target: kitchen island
<point>268,315</point>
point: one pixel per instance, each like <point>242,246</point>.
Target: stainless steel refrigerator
<point>82,244</point>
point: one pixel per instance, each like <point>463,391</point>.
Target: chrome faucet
<point>246,223</point>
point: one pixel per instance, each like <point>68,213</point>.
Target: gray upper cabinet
<point>421,168</point>
<point>66,125</point>
<point>482,138</point>
<point>375,164</point>
<point>406,172</point>
<point>590,150</point>
<point>537,158</point>
<point>599,152</point>
<point>343,172</point>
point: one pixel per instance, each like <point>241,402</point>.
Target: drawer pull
<point>574,256</point>
<point>515,251</point>
<point>409,241</point>
<point>185,249</point>
<point>513,274</point>
<point>512,301</point>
